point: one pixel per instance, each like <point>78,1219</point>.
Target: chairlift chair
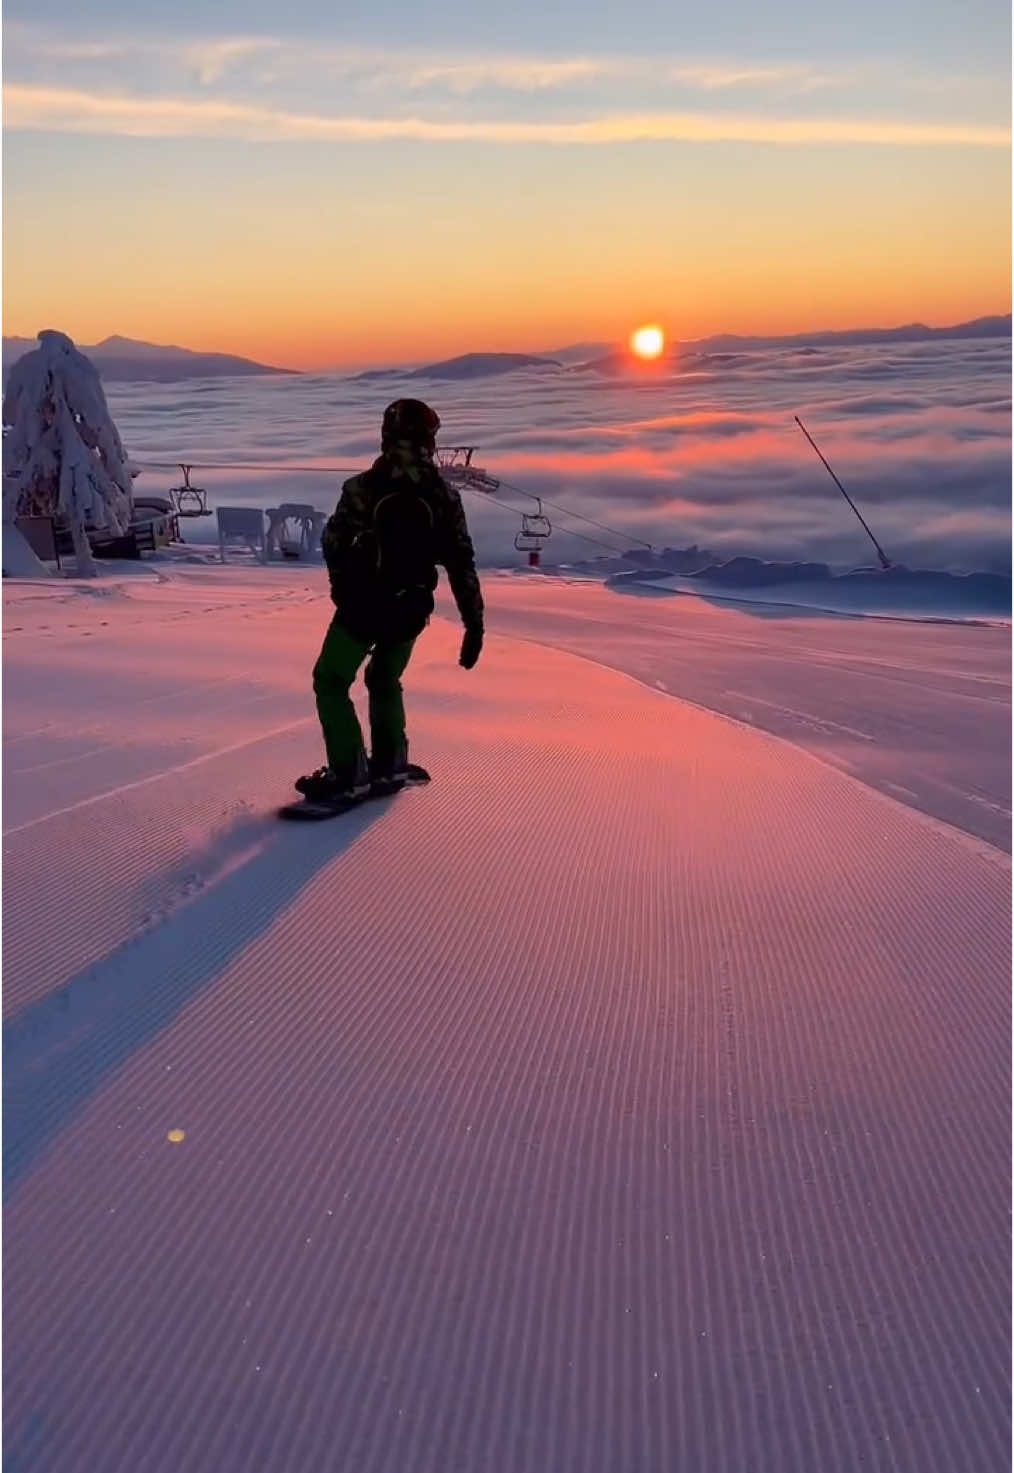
<point>535,523</point>
<point>535,528</point>
<point>189,501</point>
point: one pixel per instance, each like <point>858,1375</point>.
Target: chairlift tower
<point>455,462</point>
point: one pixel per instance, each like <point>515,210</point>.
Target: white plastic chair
<point>242,524</point>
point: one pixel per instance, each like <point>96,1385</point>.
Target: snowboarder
<point>394,523</point>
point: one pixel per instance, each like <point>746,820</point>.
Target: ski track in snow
<point>633,1097</point>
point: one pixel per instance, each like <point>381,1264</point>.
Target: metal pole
<point>885,561</point>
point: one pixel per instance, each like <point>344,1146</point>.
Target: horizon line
<point>591,343</point>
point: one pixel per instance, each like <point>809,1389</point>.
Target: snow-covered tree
<point>62,455</point>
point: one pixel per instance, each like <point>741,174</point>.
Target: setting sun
<point>647,342</point>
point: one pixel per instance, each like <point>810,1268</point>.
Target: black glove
<point>471,646</point>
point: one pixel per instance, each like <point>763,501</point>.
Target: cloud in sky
<point>262,86</point>
<point>64,110</point>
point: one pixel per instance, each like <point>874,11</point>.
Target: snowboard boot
<point>390,776</point>
<point>312,781</point>
<point>328,786</point>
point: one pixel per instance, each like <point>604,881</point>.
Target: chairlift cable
<point>329,470</point>
<point>580,516</point>
<point>512,511</point>
<point>222,465</point>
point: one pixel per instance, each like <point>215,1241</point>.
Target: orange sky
<point>332,254</point>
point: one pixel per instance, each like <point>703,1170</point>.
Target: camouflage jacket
<point>351,527</point>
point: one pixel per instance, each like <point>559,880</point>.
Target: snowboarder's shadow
<point>61,1050</point>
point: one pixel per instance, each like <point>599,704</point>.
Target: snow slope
<point>634,1097</point>
<point>919,709</point>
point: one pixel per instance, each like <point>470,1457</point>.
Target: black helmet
<point>411,420</point>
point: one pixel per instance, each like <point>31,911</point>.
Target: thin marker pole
<point>885,561</point>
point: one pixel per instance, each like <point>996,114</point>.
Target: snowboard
<point>310,810</point>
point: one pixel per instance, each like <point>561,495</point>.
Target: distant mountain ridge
<point>127,359</point>
<point>465,366</point>
<point>132,360</point>
<point>611,357</point>
<point>997,326</point>
<point>723,347</point>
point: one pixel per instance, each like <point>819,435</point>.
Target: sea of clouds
<point>704,452</point>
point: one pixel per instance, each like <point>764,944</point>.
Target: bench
<point>51,539</point>
<point>242,524</point>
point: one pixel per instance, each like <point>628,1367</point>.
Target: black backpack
<point>405,547</point>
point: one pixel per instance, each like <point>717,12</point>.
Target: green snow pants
<point>340,658</point>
